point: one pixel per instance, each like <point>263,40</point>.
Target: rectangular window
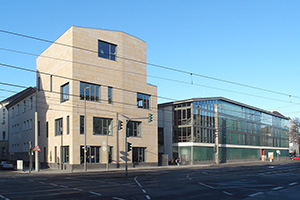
<point>109,95</point>
<point>92,154</point>
<point>47,129</point>
<point>3,116</point>
<point>110,154</point>
<point>27,125</point>
<point>65,154</point>
<point>91,94</point>
<point>64,92</point>
<point>50,83</point>
<point>18,109</point>
<point>58,126</point>
<point>39,128</point>
<point>102,126</point>
<point>143,101</point>
<point>24,125</point>
<point>138,154</point>
<point>24,106</point>
<point>12,112</point>
<point>30,124</point>
<point>3,135</point>
<point>81,124</point>
<point>31,103</point>
<point>68,125</point>
<point>107,50</point>
<point>134,129</point>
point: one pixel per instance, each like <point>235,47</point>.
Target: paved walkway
<point>170,167</point>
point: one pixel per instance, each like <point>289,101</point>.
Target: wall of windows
<point>102,126</point>
<point>92,94</point>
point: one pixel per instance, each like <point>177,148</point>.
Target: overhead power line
<point>154,65</point>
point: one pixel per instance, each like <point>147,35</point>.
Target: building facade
<point>90,91</point>
<point>18,124</point>
<point>3,131</point>
<point>202,128</point>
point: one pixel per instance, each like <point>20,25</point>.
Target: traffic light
<point>129,146</point>
<point>120,125</point>
<point>150,117</point>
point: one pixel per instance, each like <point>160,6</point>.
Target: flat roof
<point>277,114</point>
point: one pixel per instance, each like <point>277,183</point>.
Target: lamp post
<point>85,149</point>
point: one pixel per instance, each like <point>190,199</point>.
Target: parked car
<point>295,157</point>
<point>6,165</point>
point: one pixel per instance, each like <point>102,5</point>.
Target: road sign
<point>37,148</point>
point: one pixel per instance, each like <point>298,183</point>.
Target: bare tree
<point>294,133</point>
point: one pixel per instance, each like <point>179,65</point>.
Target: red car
<point>295,157</point>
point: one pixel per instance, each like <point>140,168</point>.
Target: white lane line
<point>53,184</point>
<point>147,196</point>
<point>117,198</point>
<point>255,194</point>
<point>135,179</point>
<point>3,197</point>
<point>211,187</point>
<point>294,183</point>
<point>63,186</point>
<point>78,189</point>
<point>227,193</point>
<point>144,191</point>
<point>204,173</point>
<point>277,188</point>
<point>95,193</point>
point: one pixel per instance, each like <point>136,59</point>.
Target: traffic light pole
<point>126,151</point>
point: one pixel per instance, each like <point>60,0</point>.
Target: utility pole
<point>217,135</point>
<point>85,148</point>
<point>36,137</point>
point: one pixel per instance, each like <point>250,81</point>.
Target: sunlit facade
<point>245,132</point>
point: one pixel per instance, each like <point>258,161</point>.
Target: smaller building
<point>220,130</point>
<point>19,126</point>
<point>3,131</point>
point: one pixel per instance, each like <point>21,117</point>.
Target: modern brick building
<point>97,76</point>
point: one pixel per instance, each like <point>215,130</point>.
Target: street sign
<point>37,148</point>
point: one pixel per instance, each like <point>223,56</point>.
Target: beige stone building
<point>100,77</point>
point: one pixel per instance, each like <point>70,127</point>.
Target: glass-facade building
<point>244,132</point>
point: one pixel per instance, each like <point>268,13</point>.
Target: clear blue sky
<point>251,42</point>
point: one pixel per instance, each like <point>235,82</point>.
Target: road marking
<point>255,194</point>
<point>63,186</point>
<point>211,187</point>
<point>294,183</point>
<point>205,173</point>
<point>277,188</point>
<point>144,191</point>
<point>78,189</point>
<point>147,196</point>
<point>3,197</point>
<point>135,179</point>
<point>118,198</point>
<point>227,193</point>
<point>95,193</point>
<point>53,184</point>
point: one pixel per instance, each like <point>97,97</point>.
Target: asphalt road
<point>251,182</point>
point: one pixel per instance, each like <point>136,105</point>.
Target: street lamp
<point>85,149</point>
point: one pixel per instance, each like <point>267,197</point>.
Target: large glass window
<point>81,124</point>
<point>138,154</point>
<point>64,92</point>
<point>92,154</point>
<point>134,129</point>
<point>65,154</point>
<point>106,50</point>
<point>92,94</point>
<point>102,126</point>
<point>3,116</point>
<point>109,94</point>
<point>143,101</point>
<point>59,126</point>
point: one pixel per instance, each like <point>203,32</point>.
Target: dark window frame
<point>64,92</point>
<point>58,126</point>
<point>111,50</point>
<point>143,100</point>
